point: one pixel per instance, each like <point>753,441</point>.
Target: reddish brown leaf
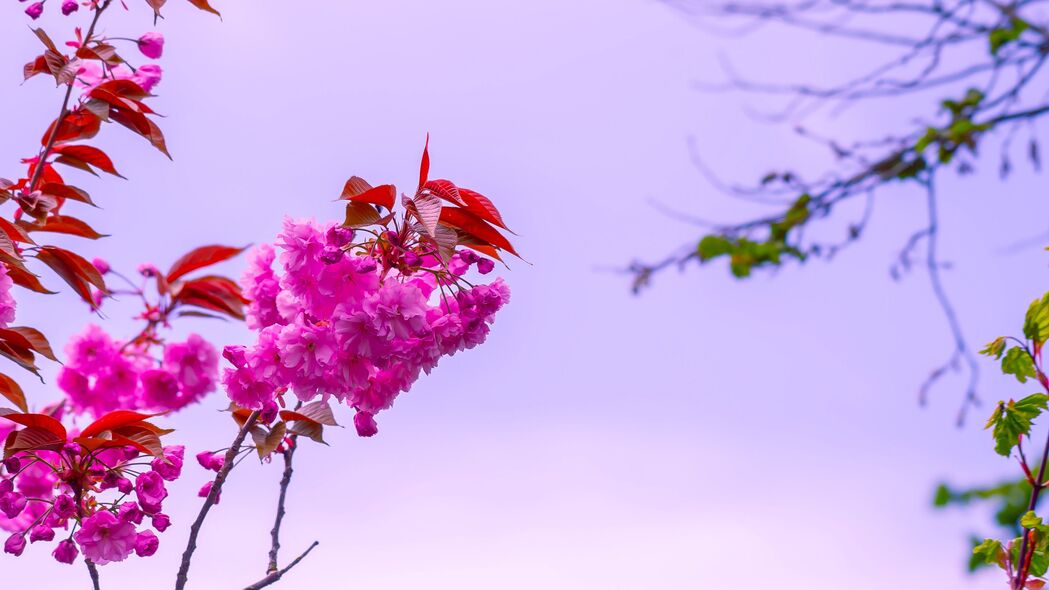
<point>354,186</point>
<point>203,5</point>
<point>424,167</point>
<point>11,390</point>
<point>65,224</point>
<point>20,355</point>
<point>482,207</point>
<point>78,124</point>
<point>112,421</point>
<point>267,442</point>
<point>384,196</point>
<point>24,278</point>
<point>74,270</point>
<point>90,155</point>
<point>200,258</point>
<point>35,67</point>
<point>361,215</point>
<point>15,232</point>
<point>66,191</point>
<point>32,439</point>
<point>36,340</point>
<point>48,43</point>
<point>309,429</point>
<point>41,421</point>
<point>319,412</point>
<point>473,225</point>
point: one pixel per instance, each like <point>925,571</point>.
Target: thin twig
<point>213,495</point>
<point>284,482</point>
<point>277,575</point>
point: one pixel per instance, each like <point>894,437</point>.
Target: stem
<point>277,575</point>
<point>93,571</point>
<point>1021,577</point>
<point>216,488</point>
<point>46,151</point>
<point>284,482</point>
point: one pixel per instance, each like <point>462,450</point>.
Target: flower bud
<point>151,45</point>
<point>365,424</point>
<point>41,533</point>
<point>485,266</point>
<point>15,544</point>
<point>34,11</point>
<point>66,552</point>
<point>69,7</point>
<point>100,265</point>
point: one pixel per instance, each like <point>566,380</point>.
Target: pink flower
<point>245,389</point>
<point>160,390</point>
<point>12,504</point>
<point>151,45</point>
<point>261,287</point>
<point>35,10</point>
<point>170,465</point>
<point>161,522</point>
<point>146,544</point>
<point>365,424</point>
<point>41,533</point>
<point>149,488</point>
<point>211,461</point>
<point>195,363</point>
<point>65,552</point>
<point>130,512</point>
<point>104,538</point>
<point>69,7</point>
<point>7,301</point>
<point>15,544</point>
<point>100,265</point>
<point>205,491</point>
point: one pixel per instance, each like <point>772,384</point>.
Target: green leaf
<point>714,246</point>
<point>989,552</point>
<point>1012,419</point>
<point>1036,322</point>
<point>995,347</point>
<point>1018,363</point>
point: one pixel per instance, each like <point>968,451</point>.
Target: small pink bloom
<point>365,424</point>
<point>35,10</point>
<point>15,544</point>
<point>485,266</point>
<point>151,45</point>
<point>210,461</point>
<point>170,465</point>
<point>130,512</point>
<point>41,533</point>
<point>104,538</point>
<point>66,552</point>
<point>100,265</point>
<point>69,7</point>
<point>146,544</point>
<point>149,488</point>
<point>12,504</point>
<point>161,522</point>
<point>205,490</point>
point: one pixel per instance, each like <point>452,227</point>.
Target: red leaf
<point>74,270</point>
<point>36,340</point>
<point>384,196</point>
<point>15,232</point>
<point>66,191</point>
<point>65,224</point>
<point>42,421</point>
<point>78,124</point>
<point>11,390</point>
<point>200,258</point>
<point>473,225</point>
<point>424,167</point>
<point>213,293</point>
<point>361,215</point>
<point>203,5</point>
<point>35,67</point>
<point>24,278</point>
<point>112,421</point>
<point>89,154</point>
<point>482,207</point>
<point>32,439</point>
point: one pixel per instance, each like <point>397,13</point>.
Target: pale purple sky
<point>706,432</point>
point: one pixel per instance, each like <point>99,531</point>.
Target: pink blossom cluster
<point>7,301</point>
<point>101,503</point>
<point>357,324</point>
<point>102,374</point>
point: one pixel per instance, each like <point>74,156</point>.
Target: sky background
<point>705,432</point>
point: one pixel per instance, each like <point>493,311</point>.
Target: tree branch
<point>216,488</point>
<point>92,570</point>
<point>273,577</point>
<point>285,481</point>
